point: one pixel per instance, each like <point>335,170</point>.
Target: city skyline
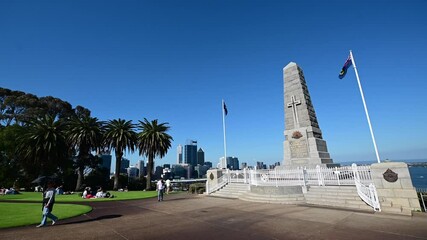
<point>176,60</point>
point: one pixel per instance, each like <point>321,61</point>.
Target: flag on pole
<point>225,109</point>
<point>347,64</point>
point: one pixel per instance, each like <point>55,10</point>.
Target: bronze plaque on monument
<point>390,176</point>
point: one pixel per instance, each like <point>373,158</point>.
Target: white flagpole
<point>366,108</point>
<point>223,127</point>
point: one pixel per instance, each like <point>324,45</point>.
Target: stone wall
<point>395,192</point>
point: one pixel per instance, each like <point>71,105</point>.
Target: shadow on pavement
<point>94,219</point>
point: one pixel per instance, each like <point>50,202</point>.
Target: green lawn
<point>36,196</point>
<point>21,214</point>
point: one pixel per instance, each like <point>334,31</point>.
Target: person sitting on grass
<point>87,193</point>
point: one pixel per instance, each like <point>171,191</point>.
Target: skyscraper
<point>140,166</point>
<point>179,154</point>
<point>200,156</point>
<point>190,150</point>
<point>124,165</point>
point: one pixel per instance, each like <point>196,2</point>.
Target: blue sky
<point>176,60</point>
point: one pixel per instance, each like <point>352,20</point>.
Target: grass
<point>21,214</point>
<point>37,196</point>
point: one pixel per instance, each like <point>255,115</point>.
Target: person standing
<point>160,188</point>
<point>48,201</point>
<point>168,186</point>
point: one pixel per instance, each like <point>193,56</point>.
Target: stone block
<point>415,204</point>
<point>388,193</point>
<point>406,183</point>
<point>401,202</point>
<point>392,185</point>
<point>405,193</point>
<point>378,183</point>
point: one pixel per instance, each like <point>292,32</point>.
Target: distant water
<point>418,173</point>
<point>418,176</point>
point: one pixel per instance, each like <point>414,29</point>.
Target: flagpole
<point>223,127</point>
<point>364,105</point>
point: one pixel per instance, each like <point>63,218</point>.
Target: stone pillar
<point>396,193</point>
<point>212,178</point>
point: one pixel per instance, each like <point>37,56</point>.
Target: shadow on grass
<point>94,219</point>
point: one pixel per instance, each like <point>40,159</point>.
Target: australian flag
<point>225,109</point>
<point>347,64</point>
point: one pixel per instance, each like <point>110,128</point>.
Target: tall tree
<point>44,146</point>
<point>153,141</point>
<point>84,135</point>
<point>120,136</point>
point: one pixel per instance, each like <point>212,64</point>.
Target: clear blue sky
<point>175,60</point>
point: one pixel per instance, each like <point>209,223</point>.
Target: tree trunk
<point>79,178</point>
<point>149,172</point>
<point>119,155</point>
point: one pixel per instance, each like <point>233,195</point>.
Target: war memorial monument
<point>308,174</point>
<point>303,145</point>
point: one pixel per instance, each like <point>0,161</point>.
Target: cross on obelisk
<point>293,104</point>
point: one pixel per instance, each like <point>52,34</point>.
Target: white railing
<point>359,176</point>
<point>320,176</point>
<point>367,193</point>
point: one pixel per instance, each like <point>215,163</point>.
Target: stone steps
<point>336,196</point>
<point>277,199</point>
<point>231,190</point>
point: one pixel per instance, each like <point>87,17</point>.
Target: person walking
<point>168,186</point>
<point>48,201</point>
<point>160,189</point>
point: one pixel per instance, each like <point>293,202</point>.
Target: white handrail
<point>359,176</point>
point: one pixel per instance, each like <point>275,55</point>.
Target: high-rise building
<point>208,164</point>
<point>132,172</point>
<point>178,171</point>
<point>234,163</point>
<point>106,161</point>
<point>141,168</point>
<point>158,173</point>
<point>230,163</point>
<point>200,157</point>
<point>244,165</point>
<point>124,165</point>
<point>179,154</point>
<point>200,171</point>
<point>190,150</point>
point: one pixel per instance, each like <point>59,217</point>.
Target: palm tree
<point>153,141</point>
<point>84,135</point>
<point>43,147</point>
<point>119,135</point>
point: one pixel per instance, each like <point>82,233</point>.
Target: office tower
<point>132,172</point>
<point>140,166</point>
<point>106,161</point>
<point>179,154</point>
<point>233,163</point>
<point>208,164</point>
<point>124,165</point>
<point>200,156</point>
<point>190,150</point>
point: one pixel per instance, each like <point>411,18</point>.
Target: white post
<point>366,108</point>
<point>223,127</point>
<point>275,173</point>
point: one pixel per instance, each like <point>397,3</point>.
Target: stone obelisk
<point>303,145</point>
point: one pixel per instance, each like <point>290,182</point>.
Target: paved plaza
<point>192,217</point>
